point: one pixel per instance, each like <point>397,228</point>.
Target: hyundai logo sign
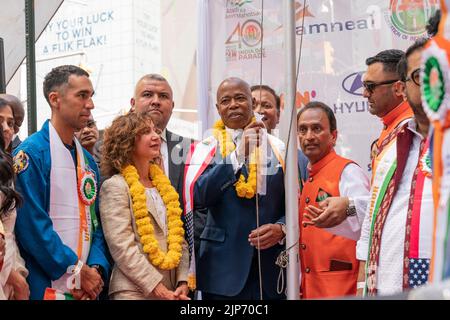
<point>353,83</point>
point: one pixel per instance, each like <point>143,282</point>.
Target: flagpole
<point>291,174</point>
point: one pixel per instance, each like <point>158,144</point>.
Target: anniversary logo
<point>407,19</point>
<point>244,31</point>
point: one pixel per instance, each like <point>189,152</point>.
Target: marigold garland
<point>175,237</point>
<point>244,189</point>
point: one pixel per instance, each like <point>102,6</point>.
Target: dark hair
<point>402,66</point>
<point>322,106</point>
<point>389,59</point>
<point>59,76</point>
<point>433,24</point>
<point>16,106</point>
<point>4,103</point>
<point>270,90</point>
<point>11,199</point>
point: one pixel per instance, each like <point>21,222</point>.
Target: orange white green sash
<point>53,294</point>
<point>382,182</point>
<point>72,196</point>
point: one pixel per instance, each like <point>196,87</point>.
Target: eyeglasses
<point>415,77</point>
<point>370,86</point>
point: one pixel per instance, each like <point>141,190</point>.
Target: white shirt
<point>165,151</point>
<point>355,184</point>
<point>152,195</point>
<point>236,136</point>
<point>390,267</point>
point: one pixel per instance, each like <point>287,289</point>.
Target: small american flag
<point>418,272</point>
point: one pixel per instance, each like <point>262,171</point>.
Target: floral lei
<point>244,189</point>
<point>175,238</point>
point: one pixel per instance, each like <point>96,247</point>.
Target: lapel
<point>174,170</point>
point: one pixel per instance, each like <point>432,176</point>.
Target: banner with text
<point>337,35</point>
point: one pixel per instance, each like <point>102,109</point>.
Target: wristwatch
<point>351,209</point>
<point>283,228</point>
<point>99,269</point>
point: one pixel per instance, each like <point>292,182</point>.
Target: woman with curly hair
<point>141,215</point>
<point>13,285</point>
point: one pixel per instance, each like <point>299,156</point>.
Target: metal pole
<point>291,176</point>
<point>31,66</point>
<point>2,68</point>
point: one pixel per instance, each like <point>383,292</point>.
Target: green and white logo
<point>409,17</point>
<point>433,84</point>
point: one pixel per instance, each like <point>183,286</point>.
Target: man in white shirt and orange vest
<point>328,262</point>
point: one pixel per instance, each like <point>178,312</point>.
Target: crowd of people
<point>147,214</point>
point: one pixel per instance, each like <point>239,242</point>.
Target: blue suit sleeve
<point>34,228</point>
<point>99,253</point>
<point>209,188</point>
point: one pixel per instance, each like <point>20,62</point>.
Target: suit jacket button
<point>311,179</point>
<point>307,270</point>
<point>307,200</point>
<point>303,246</point>
<point>304,224</point>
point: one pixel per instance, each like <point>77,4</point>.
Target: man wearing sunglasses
<point>385,92</point>
<point>396,235</point>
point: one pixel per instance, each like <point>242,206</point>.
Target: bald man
<point>227,262</point>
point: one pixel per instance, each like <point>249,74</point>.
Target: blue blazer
<point>46,257</point>
<point>225,255</point>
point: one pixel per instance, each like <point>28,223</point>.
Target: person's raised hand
<point>251,138</point>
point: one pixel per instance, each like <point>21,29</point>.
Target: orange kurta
<point>328,262</point>
<point>396,116</point>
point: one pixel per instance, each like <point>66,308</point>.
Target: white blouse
<point>153,195</point>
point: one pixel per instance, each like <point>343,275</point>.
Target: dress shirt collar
<point>163,135</point>
<point>412,126</point>
<point>236,134</point>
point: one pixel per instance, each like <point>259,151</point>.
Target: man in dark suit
<point>227,262</point>
<point>154,93</point>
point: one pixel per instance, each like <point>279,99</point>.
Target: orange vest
<point>391,121</point>
<point>328,262</point>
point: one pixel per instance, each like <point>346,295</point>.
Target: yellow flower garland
<point>175,237</point>
<point>244,189</point>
